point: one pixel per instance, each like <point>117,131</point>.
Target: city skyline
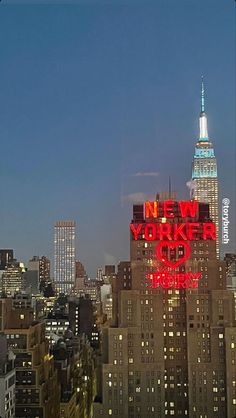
<point>73,137</point>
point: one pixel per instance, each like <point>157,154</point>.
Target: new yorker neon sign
<point>173,248</point>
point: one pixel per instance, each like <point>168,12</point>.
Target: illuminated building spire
<point>203,118</point>
<point>203,97</point>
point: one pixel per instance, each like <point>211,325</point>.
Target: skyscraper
<point>64,255</point>
<point>204,170</point>
<point>170,351</point>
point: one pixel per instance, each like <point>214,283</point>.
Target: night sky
<point>99,105</point>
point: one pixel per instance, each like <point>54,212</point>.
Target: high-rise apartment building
<point>37,390</point>
<point>171,351</point>
<point>38,271</point>
<point>204,170</point>
<point>44,269</point>
<point>64,256</point>
<point>99,273</point>
<point>7,380</point>
<point>13,280</point>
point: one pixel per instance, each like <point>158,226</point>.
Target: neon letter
<point>153,236</point>
<point>192,229</point>
<point>150,209</point>
<point>136,231</point>
<point>189,208</point>
<point>168,209</point>
<point>182,282</point>
<point>194,277</point>
<point>178,232</point>
<point>165,282</point>
<point>209,230</point>
<point>165,231</point>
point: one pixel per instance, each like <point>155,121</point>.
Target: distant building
<point>107,306</point>
<point>37,388</point>
<point>109,271</point>
<point>44,269</point>
<point>37,275</point>
<point>64,256</point>
<point>123,281</point>
<point>230,260</point>
<point>13,280</point>
<point>88,287</point>
<point>80,271</point>
<point>99,273</point>
<point>75,363</point>
<point>56,325</point>
<point>106,299</point>
<point>6,256</point>
<point>41,265</point>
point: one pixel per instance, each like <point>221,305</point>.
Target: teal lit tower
<point>204,169</point>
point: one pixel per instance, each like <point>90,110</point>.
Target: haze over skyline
<point>99,105</point>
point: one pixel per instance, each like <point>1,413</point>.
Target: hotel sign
<point>177,226</point>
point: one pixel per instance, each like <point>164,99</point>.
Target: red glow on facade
<point>186,209</point>
<point>177,281</point>
<point>165,231</point>
<point>209,231</point>
<point>189,208</point>
<point>168,206</point>
<point>161,254</point>
<point>136,230</point>
<point>187,231</point>
<point>150,232</point>
<point>151,209</point>
<point>173,239</point>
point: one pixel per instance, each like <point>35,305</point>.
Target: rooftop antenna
<point>169,187</point>
<point>203,97</point>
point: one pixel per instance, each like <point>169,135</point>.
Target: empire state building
<point>204,170</point>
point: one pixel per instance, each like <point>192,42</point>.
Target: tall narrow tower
<point>64,255</point>
<point>204,170</point>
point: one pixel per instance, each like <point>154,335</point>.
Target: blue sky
<point>92,93</point>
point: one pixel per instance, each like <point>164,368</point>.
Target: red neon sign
<point>166,209</point>
<point>187,231</point>
<point>173,248</point>
<point>177,281</point>
<point>172,245</point>
<point>167,279</point>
